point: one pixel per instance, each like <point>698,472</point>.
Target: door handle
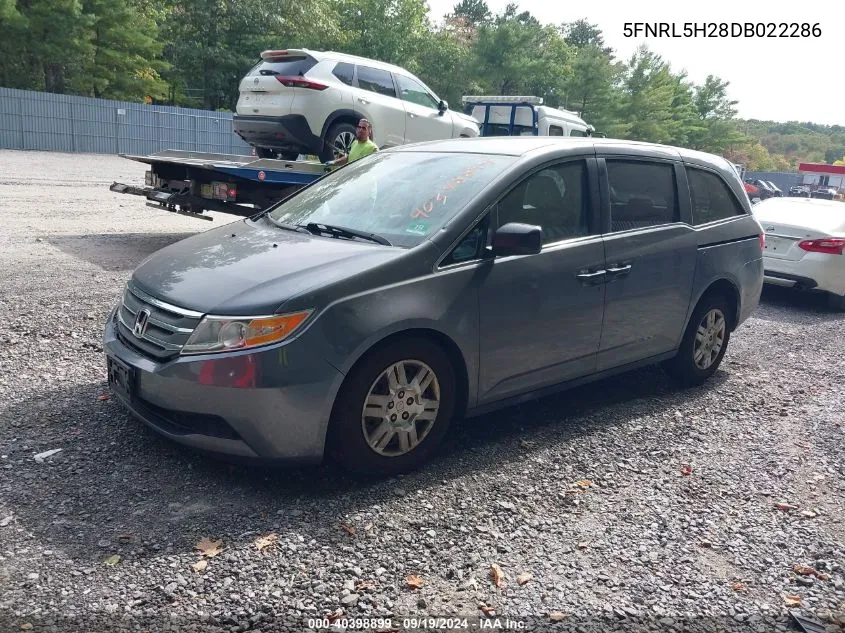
<point>412,115</point>
<point>619,271</point>
<point>361,100</point>
<point>591,279</point>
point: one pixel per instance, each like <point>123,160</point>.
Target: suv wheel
<point>704,344</point>
<point>394,410</point>
<point>338,141</point>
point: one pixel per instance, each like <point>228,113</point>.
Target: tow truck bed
<point>190,183</point>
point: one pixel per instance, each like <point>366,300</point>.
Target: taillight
<point>829,245</point>
<point>762,238</point>
<point>299,82</point>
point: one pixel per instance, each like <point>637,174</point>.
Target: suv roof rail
<point>502,99</point>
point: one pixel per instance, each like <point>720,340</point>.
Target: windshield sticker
<point>425,210</point>
<point>417,228</point>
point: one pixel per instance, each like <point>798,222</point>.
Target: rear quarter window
<point>289,67</point>
<point>711,198</point>
<point>344,72</point>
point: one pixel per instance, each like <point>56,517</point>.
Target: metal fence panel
<point>66,123</point>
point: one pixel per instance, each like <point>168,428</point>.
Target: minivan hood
<point>251,268</point>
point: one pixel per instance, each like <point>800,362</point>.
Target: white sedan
<point>805,245</point>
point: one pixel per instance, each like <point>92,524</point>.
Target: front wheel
<point>394,409</point>
<point>704,344</point>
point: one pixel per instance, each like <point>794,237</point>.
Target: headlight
<point>221,334</point>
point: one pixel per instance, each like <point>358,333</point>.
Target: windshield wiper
<point>287,227</point>
<point>342,231</point>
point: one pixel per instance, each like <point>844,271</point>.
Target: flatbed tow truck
<point>190,183</point>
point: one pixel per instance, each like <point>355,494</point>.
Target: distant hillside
<point>773,146</point>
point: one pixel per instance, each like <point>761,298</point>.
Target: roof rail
<point>502,99</point>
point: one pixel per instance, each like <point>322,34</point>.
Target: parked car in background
<point>805,245</point>
<point>764,189</point>
<point>300,101</point>
<point>423,283</point>
<point>824,193</point>
<point>777,190</point>
<point>800,191</point>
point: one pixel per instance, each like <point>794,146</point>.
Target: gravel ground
<point>583,500</point>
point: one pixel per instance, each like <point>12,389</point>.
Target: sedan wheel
<point>394,409</point>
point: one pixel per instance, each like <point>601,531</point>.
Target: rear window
<point>376,80</point>
<point>289,67</point>
<point>711,198</point>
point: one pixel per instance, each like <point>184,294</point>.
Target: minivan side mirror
<point>517,239</point>
<point>442,106</point>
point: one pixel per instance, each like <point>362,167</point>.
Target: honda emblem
<point>142,319</point>
<point>255,81</point>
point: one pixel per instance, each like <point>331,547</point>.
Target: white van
<point>505,115</point>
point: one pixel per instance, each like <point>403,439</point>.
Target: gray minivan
<point>361,315</point>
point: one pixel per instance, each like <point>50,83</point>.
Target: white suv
<point>306,102</point>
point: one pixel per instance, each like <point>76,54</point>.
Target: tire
<point>683,367</point>
<point>265,152</point>
<point>347,441</point>
<point>327,152</point>
<point>836,302</point>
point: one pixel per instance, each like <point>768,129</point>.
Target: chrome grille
<point>168,327</point>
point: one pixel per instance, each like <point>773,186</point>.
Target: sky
<point>776,79</point>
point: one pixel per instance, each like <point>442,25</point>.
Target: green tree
<point>474,12</point>
<point>648,91</point>
<point>124,56</point>
<point>516,54</point>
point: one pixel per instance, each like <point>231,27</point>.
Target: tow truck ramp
<point>190,183</point>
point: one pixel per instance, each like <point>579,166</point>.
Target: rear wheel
<point>265,152</point>
<point>837,302</point>
<point>394,409</point>
<point>704,344</point>
<point>338,141</point>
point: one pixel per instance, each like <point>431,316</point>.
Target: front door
<point>423,119</point>
<point>541,315</point>
<point>651,257</point>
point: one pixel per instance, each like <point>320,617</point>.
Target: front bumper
<point>278,409</point>
<point>290,132</point>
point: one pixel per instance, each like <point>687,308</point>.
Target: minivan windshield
<point>403,197</point>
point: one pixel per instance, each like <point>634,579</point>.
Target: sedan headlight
<point>221,334</point>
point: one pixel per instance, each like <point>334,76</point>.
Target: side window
<point>376,80</point>
<point>555,199</point>
<point>555,130</point>
<point>642,194</point>
<point>471,246</point>
<point>577,133</point>
<point>711,198</point>
<point>344,72</point>
<point>415,92</point>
